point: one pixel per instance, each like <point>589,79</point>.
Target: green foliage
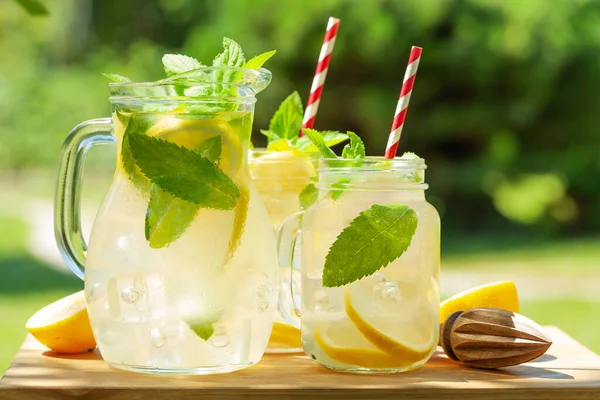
<point>178,64</point>
<point>375,238</point>
<point>503,92</point>
<point>355,149</point>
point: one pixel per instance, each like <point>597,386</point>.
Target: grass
<point>26,286</point>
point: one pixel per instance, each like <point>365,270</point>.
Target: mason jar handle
<point>67,213</point>
<point>288,234</point>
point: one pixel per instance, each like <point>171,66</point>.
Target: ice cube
<point>136,298</point>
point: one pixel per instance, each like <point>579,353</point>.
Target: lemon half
<point>63,326</point>
<point>493,295</point>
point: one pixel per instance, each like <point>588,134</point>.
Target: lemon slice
<point>63,326</point>
<point>402,323</point>
<point>493,295</point>
<point>284,336</point>
<point>282,171</point>
<point>341,341</point>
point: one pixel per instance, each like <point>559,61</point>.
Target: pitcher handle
<point>288,235</point>
<point>67,218</point>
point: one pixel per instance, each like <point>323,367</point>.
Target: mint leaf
<point>232,55</point>
<point>271,136</point>
<point>257,61</point>
<point>331,139</point>
<point>287,120</point>
<point>378,236</point>
<point>210,148</point>
<point>175,64</point>
<point>116,77</point>
<point>134,124</point>
<point>280,145</point>
<point>167,217</point>
<point>355,149</point>
<point>204,327</point>
<point>308,196</point>
<point>409,155</point>
<point>338,188</point>
<point>319,142</point>
<point>183,173</point>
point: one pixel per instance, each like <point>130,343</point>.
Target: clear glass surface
<point>198,301</point>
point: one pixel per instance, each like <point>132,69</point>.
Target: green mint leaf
<point>183,173</point>
<point>232,55</point>
<point>319,142</point>
<point>167,217</point>
<point>116,77</point>
<point>287,120</point>
<point>210,148</point>
<point>308,196</point>
<point>409,155</point>
<point>280,145</point>
<point>355,149</point>
<point>257,61</point>
<point>271,136</point>
<point>338,188</point>
<point>134,124</point>
<point>378,236</point>
<point>175,64</point>
<point>331,139</point>
<point>204,327</point>
<point>33,7</point>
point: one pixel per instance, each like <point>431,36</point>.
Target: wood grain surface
<point>567,371</point>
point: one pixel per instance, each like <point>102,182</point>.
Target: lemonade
<point>145,303</point>
<point>379,320</point>
<point>181,268</point>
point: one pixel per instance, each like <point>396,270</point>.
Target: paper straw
<point>405,92</point>
<point>320,74</point>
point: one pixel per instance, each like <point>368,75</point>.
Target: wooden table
<point>567,371</point>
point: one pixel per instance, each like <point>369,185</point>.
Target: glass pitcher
<point>383,320</point>
<point>181,268</point>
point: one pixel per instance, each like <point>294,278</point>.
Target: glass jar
<point>386,321</point>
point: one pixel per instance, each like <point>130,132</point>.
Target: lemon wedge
<point>493,295</point>
<point>284,337</point>
<point>341,341</point>
<point>404,326</point>
<point>63,326</point>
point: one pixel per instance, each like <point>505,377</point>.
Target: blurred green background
<point>505,111</point>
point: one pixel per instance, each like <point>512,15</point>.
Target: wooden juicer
<point>492,338</point>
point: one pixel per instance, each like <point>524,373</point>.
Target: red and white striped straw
<point>405,92</point>
<point>320,74</point>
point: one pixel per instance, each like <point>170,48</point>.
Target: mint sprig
<point>284,129</point>
<point>183,173</point>
<point>318,141</point>
<point>176,64</point>
<point>355,149</point>
<point>257,61</point>
<point>378,236</point>
<point>287,120</point>
<point>116,77</point>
